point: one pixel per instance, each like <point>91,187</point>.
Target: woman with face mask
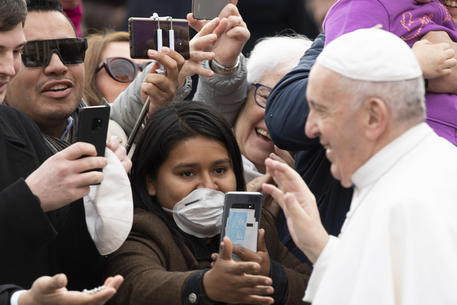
<point>185,162</point>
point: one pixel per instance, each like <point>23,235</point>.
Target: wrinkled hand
<point>235,282</point>
<point>62,178</point>
<point>435,60</point>
<point>161,88</point>
<point>283,156</point>
<point>230,43</point>
<point>51,291</point>
<point>114,144</point>
<point>299,206</point>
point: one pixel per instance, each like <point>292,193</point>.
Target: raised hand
<point>299,206</point>
<point>234,282</point>
<point>161,88</point>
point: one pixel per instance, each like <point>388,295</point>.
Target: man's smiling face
<point>47,94</point>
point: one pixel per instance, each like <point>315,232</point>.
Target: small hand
<point>114,144</point>
<point>435,59</point>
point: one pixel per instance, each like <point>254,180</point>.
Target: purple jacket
<point>411,22</point>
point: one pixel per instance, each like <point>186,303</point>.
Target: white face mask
<point>200,213</point>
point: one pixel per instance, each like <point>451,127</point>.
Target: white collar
<point>388,156</point>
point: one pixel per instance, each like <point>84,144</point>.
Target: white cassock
<point>398,244</point>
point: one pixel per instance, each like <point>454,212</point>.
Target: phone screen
<point>143,36</point>
<point>241,218</point>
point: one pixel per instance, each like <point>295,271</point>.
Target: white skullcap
<point>370,55</point>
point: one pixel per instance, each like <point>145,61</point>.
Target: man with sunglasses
<point>24,226</point>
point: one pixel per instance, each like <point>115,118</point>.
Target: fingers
<point>226,249</point>
<point>261,245</point>
<point>114,282</point>
<point>202,43</point>
<point>49,284</point>
<point>77,150</point>
<point>255,184</point>
<point>274,192</point>
<point>196,24</point>
<point>245,254</point>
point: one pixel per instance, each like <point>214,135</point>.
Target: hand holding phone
<point>92,126</point>
<point>241,218</point>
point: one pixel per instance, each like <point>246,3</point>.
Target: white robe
<point>398,244</point>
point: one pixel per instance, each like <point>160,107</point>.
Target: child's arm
<point>446,83</point>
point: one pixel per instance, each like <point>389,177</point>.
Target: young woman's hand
<point>234,282</point>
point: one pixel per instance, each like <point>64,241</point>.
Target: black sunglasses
<point>121,69</point>
<point>38,53</point>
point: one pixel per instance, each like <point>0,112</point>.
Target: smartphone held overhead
<point>155,33</point>
<point>207,9</point>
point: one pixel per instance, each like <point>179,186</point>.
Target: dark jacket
<point>35,243</point>
<point>285,115</point>
<point>159,270</point>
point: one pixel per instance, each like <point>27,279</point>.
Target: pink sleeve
<point>349,15</point>
<point>75,16</point>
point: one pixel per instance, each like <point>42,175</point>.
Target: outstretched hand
<point>234,282</point>
<point>51,291</point>
<point>299,206</point>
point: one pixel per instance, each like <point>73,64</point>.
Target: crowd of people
<point>351,138</point>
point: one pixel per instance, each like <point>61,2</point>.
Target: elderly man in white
<point>398,244</point>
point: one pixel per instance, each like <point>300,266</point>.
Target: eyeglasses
<point>38,53</point>
<point>261,94</point>
<point>121,69</point>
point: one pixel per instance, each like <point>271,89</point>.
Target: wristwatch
<point>221,69</point>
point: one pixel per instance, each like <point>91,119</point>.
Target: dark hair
<point>48,6</point>
<point>44,5</point>
<point>167,127</point>
<point>12,12</point>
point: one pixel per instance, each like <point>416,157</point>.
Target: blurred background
<point>263,17</point>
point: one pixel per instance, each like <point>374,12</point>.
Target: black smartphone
<point>143,35</point>
<point>241,218</point>
<point>207,9</point>
<point>92,126</point>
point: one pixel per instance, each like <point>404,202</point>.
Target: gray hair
<point>405,98</point>
<point>278,53</point>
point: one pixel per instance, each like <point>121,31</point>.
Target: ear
<point>377,117</point>
<point>150,186</point>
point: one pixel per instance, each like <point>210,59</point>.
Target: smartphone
<point>241,217</point>
<point>143,36</point>
<point>207,9</point>
<point>92,126</point>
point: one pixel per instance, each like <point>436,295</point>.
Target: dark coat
<point>34,243</point>
<point>159,270</point>
<point>285,115</point>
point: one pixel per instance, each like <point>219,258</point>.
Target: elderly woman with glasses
<point>240,87</point>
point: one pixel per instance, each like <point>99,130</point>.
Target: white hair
<point>278,54</point>
<point>405,98</point>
